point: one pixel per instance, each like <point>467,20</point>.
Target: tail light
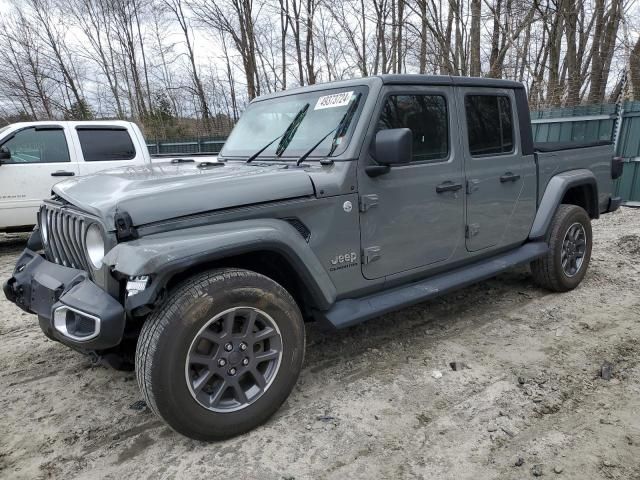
<point>617,164</point>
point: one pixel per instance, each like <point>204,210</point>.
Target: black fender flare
<point>557,186</point>
<point>163,255</point>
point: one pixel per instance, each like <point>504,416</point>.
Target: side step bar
<point>348,312</point>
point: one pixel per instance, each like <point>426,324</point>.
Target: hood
<point>162,191</point>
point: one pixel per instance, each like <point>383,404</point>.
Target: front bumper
<point>70,307</point>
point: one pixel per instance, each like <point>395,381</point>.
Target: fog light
<point>136,285</point>
<point>75,324</point>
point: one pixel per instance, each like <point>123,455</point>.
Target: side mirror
<point>5,154</point>
<point>391,147</point>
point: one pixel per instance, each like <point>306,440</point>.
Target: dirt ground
<point>375,401</point>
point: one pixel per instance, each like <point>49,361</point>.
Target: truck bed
<point>553,158</point>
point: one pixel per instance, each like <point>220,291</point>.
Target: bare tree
<point>50,29</point>
<point>192,65</point>
<point>634,70</point>
<point>177,9</point>
<point>607,21</point>
<point>474,47</point>
<point>236,19</point>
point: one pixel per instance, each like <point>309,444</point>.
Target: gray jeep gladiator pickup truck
<point>334,203</point>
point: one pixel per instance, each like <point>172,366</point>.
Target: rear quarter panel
<point>596,159</point>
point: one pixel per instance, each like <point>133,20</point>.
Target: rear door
<point>106,147</point>
<point>413,215</point>
<point>39,159</point>
<point>496,171</point>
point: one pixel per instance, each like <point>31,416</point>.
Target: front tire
<point>222,354</point>
<point>570,240</point>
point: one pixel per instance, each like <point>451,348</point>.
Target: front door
<point>496,171</point>
<point>39,159</point>
<point>412,216</point>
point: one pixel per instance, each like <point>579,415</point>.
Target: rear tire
<point>222,354</point>
<point>570,241</point>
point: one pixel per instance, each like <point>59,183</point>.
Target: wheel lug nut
<point>245,362</point>
<point>232,371</point>
<point>222,362</point>
<point>228,347</point>
<point>243,346</point>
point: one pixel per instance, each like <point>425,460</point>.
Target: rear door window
<point>33,145</point>
<point>489,124</point>
<point>426,117</point>
<point>104,144</point>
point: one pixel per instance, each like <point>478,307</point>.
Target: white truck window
<point>105,144</point>
<point>33,145</point>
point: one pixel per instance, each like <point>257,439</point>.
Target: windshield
<point>266,120</point>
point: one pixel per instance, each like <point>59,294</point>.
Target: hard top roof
<point>414,79</point>
<point>403,79</point>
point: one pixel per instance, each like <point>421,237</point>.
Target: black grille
<point>66,231</point>
<point>300,227</point>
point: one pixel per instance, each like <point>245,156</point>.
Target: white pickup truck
<point>36,155</point>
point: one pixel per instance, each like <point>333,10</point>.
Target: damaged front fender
<point>163,255</point>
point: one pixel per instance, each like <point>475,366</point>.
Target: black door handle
<point>509,177</point>
<point>448,187</point>
<point>62,173</point>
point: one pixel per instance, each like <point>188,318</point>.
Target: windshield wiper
<point>339,130</point>
<point>289,132</point>
<point>259,152</point>
<point>304,156</point>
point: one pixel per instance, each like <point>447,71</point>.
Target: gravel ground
<point>375,401</point>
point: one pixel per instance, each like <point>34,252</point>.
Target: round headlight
<point>44,229</point>
<point>95,245</point>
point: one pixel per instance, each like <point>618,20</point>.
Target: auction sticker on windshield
<point>335,100</point>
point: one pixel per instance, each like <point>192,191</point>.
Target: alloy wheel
<point>574,247</point>
<point>233,359</point>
